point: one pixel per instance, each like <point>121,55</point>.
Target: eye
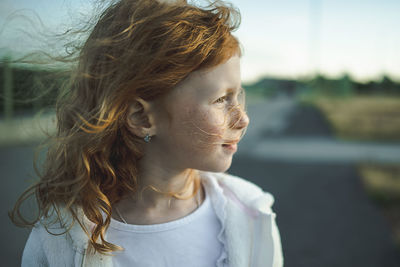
<point>221,99</point>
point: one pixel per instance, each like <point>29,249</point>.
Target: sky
<point>286,39</point>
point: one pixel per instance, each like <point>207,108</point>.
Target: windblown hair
<point>137,48</point>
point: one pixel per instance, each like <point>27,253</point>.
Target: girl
<point>134,175</point>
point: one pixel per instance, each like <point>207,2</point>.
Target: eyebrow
<point>232,90</point>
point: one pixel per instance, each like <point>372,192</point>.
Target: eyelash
<point>223,98</point>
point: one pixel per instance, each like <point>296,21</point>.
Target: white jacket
<point>252,237</point>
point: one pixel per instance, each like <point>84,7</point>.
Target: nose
<point>240,119</point>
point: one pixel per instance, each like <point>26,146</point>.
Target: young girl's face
<point>206,111</point>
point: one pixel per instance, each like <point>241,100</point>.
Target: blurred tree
<point>388,86</point>
<point>345,86</point>
<point>32,89</point>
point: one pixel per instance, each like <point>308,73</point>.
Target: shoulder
<point>60,230</point>
<point>43,246</point>
<point>33,254</point>
<point>246,191</point>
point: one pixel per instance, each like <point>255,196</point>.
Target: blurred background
<point>323,94</point>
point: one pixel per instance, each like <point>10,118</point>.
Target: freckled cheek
<point>206,128</point>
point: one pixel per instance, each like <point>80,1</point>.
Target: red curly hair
<point>137,48</point>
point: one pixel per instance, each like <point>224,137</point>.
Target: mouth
<point>231,146</point>
<point>231,142</point>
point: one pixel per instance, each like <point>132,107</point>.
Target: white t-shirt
<point>188,241</point>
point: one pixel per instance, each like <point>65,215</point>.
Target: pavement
<point>323,213</point>
<point>317,149</point>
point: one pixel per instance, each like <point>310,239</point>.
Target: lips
<point>232,146</point>
<point>231,142</point>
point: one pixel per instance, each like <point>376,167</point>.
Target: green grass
<point>382,183</point>
<point>362,117</point>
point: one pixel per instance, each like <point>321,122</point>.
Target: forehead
<point>204,83</point>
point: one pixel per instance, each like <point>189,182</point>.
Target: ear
<point>140,118</point>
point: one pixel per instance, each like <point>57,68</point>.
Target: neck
<point>157,184</point>
<point>163,194</point>
<point>166,193</point>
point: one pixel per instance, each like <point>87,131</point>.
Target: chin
<point>217,166</point>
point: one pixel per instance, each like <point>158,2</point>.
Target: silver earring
<point>147,138</point>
